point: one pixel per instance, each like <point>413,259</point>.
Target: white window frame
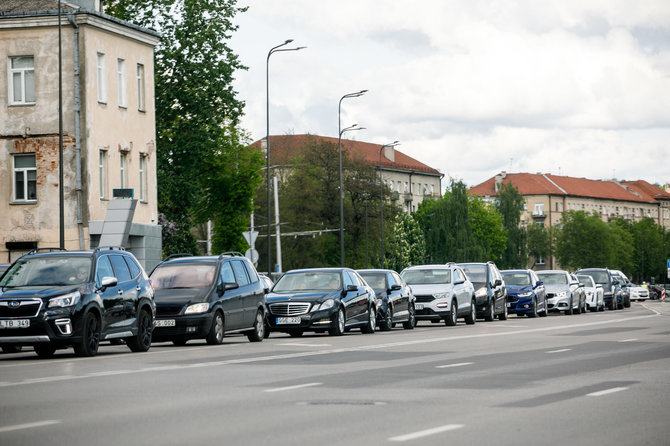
<point>123,169</point>
<point>539,209</point>
<point>22,72</point>
<point>140,87</point>
<point>101,74</point>
<point>121,82</point>
<point>24,172</point>
<point>143,177</point>
<point>103,171</point>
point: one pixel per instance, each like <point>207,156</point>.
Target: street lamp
<point>267,139</point>
<point>381,197</point>
<point>340,130</point>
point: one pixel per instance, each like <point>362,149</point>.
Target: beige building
<point>108,128</point>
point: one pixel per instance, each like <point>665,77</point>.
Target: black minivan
<point>206,297</point>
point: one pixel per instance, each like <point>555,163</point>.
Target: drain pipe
<point>77,132</point>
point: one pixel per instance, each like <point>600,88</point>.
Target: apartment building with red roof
<point>547,196</point>
<point>411,180</point>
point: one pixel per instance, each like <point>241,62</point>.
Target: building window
<point>121,80</point>
<point>25,178</point>
<point>140,87</point>
<point>539,209</point>
<point>103,173</point>
<point>540,260</point>
<point>143,177</point>
<point>124,170</point>
<point>21,80</point>
<point>101,78</point>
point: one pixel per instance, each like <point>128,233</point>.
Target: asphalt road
<point>590,379</point>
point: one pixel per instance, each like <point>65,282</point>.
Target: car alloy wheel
<point>258,333</point>
<point>141,342</point>
<point>337,328</point>
<point>370,326</point>
<point>90,340</point>
<point>452,316</point>
<point>387,323</point>
<point>411,319</point>
<point>490,311</point>
<point>215,335</point>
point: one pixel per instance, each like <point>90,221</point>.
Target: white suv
<point>443,292</point>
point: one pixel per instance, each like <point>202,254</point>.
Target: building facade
<point>108,129</point>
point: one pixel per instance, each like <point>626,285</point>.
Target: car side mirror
<point>459,281</point>
<point>497,282</point>
<point>222,287</point>
<point>599,286</point>
<point>539,282</point>
<point>352,288</point>
<point>395,287</point>
<point>107,282</point>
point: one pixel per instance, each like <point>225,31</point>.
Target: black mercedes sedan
<point>322,300</point>
<point>395,301</point>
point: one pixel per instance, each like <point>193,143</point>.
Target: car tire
<point>337,326</point>
<point>387,323</point>
<point>258,333</point>
<point>613,303</point>
<point>568,312</point>
<point>216,331</point>
<point>411,319</point>
<point>450,321</point>
<point>90,337</point>
<point>490,312</point>
<point>626,302</point>
<point>142,341</point>
<point>44,350</point>
<point>471,318</point>
<point>371,324</point>
<point>11,348</point>
<point>503,316</point>
<point>545,311</point>
<point>533,310</point>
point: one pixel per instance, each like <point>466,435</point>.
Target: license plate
<point>288,320</point>
<point>15,323</point>
<point>418,306</point>
<point>164,323</point>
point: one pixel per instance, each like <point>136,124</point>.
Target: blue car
<point>525,293</point>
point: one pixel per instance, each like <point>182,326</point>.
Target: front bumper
<point>58,326</point>
<point>555,303</point>
<point>519,305</point>
<point>185,327</point>
<point>426,309</point>
<point>310,321</point>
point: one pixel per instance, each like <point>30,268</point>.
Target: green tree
<point>408,246</point>
<point>510,206</point>
<point>648,255</point>
<point>620,245</point>
<point>583,241</point>
<point>199,148</point>
<point>539,241</point>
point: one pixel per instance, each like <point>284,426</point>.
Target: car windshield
<point>600,277</point>
<point>476,273</point>
<point>309,281</point>
<point>183,275</point>
<point>553,278</point>
<point>519,279</point>
<point>427,276</point>
<point>376,280</point>
<point>48,271</point>
<point>586,281</point>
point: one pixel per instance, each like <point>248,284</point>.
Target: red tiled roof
<point>547,184</point>
<point>285,147</point>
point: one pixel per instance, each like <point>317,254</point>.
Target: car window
<point>518,279</point>
<point>226,273</point>
<point>251,271</point>
<point>554,278</point>
<point>398,279</point>
<point>183,275</point>
<point>47,271</point>
<point>587,281</point>
<point>120,268</point>
<point>104,269</point>
<point>426,276</point>
<point>308,280</point>
<point>134,267</point>
<point>376,280</point>
<point>600,277</point>
<point>458,276</point>
<point>476,273</point>
<point>240,273</point>
<point>347,279</point>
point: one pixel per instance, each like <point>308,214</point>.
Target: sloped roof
<point>546,184</point>
<point>285,147</point>
<point>13,6</point>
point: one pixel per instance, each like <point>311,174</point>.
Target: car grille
<point>428,298</point>
<point>168,309</point>
<point>550,295</point>
<point>512,299</point>
<point>20,307</point>
<point>289,308</point>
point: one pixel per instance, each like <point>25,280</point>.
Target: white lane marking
<point>628,340</point>
<point>166,368</point>
<point>607,392</point>
<point>17,427</point>
<point>560,351</point>
<point>460,364</point>
<point>299,386</point>
<point>304,344</point>
<point>427,432</point>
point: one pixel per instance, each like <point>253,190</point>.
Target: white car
<point>595,300</point>
<point>442,292</point>
<point>638,292</point>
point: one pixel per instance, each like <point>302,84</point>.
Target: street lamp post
<point>267,139</point>
<point>381,198</point>
<point>340,131</point>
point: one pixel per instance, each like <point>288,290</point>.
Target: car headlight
<point>379,303</point>
<point>197,308</point>
<point>481,292</point>
<point>562,294</point>
<point>66,300</point>
<point>441,295</point>
<point>528,294</point>
<point>328,303</point>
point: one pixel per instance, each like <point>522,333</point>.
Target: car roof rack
<point>175,256</point>
<point>38,250</point>
<point>109,248</point>
<point>231,253</point>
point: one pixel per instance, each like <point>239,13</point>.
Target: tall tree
<point>407,246</point>
<point>539,242</point>
<point>200,149</point>
<point>510,205</point>
<point>583,241</point>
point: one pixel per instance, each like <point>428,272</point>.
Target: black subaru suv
<point>57,299</point>
<point>207,297</point>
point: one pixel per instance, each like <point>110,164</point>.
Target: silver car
<point>443,292</point>
<point>595,300</point>
<point>564,293</point>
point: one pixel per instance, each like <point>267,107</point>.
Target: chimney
<point>499,180</point>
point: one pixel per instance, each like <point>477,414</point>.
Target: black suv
<point>57,299</point>
<point>490,291</point>
<point>207,297</point>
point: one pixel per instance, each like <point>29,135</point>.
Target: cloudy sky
<point>578,88</point>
